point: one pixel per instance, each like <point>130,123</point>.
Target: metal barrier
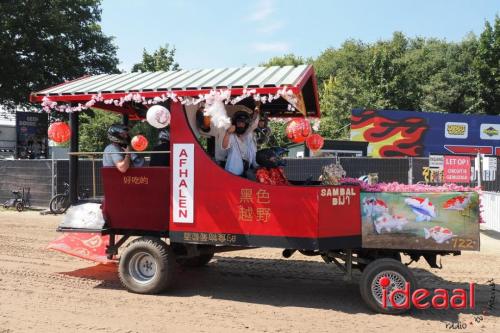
<point>491,210</point>
<point>47,177</point>
<point>35,174</point>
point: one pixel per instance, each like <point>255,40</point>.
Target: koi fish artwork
<point>373,206</point>
<point>439,234</point>
<point>460,203</point>
<point>389,222</point>
<point>423,208</point>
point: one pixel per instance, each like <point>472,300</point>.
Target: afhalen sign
<point>419,298</point>
<point>183,183</point>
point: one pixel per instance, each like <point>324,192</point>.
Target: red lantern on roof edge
<point>298,129</point>
<point>315,142</point>
<point>59,132</point>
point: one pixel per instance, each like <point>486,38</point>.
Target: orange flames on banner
<point>388,137</point>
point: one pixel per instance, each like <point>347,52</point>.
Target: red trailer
<point>183,214</point>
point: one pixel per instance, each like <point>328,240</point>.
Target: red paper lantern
<point>59,132</point>
<point>315,142</point>
<point>139,142</point>
<point>298,129</point>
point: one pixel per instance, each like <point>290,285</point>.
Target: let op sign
<point>456,169</point>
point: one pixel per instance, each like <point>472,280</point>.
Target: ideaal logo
<point>455,130</point>
<point>477,318</point>
<point>441,299</point>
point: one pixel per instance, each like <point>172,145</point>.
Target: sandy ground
<point>244,291</point>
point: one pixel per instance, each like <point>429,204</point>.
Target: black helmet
<point>271,157</point>
<point>118,133</point>
<point>241,116</point>
<point>164,135</point>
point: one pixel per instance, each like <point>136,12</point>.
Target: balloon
<point>298,129</point>
<point>139,142</point>
<point>315,142</point>
<point>59,132</point>
<point>158,116</point>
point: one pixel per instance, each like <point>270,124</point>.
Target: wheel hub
<point>389,280</point>
<point>142,267</point>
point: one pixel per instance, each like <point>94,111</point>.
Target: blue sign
<point>392,133</point>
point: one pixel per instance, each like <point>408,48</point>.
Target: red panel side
<point>339,211</point>
<point>137,199</point>
<point>230,204</point>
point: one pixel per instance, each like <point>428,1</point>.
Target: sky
<point>224,33</point>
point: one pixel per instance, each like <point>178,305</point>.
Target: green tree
<point>448,82</point>
<point>487,66</point>
<point>94,126</point>
<point>162,59</point>
<point>286,60</point>
<point>352,56</point>
<point>43,43</point>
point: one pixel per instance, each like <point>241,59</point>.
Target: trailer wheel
<point>395,273</point>
<point>19,206</point>
<point>147,266</point>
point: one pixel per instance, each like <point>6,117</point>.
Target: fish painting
<point>373,206</point>
<point>439,234</point>
<point>423,208</point>
<point>389,222</point>
<point>460,203</point>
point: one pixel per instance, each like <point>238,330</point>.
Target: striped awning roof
<point>185,83</point>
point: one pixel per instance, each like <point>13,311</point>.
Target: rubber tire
<point>53,206</point>
<point>19,206</point>
<point>197,261</point>
<point>394,255</point>
<point>165,262</point>
<point>371,270</point>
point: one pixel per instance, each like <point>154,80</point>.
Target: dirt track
<point>245,291</point>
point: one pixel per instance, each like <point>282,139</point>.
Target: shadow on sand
<point>296,283</point>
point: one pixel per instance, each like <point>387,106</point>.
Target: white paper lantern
<point>158,116</point>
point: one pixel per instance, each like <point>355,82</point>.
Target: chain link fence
<point>410,170</point>
<point>47,177</point>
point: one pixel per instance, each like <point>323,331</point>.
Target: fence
<point>47,177</point>
<point>35,174</point>
<point>491,210</point>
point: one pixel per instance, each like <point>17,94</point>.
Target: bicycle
<point>20,201</point>
<point>60,203</point>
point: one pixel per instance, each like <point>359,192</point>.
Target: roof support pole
<point>73,159</point>
<point>125,120</point>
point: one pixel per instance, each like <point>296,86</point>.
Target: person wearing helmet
<point>263,134</point>
<point>240,144</point>
<point>271,166</point>
<point>117,153</point>
<point>163,145</point>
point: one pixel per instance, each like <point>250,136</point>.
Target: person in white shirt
<point>239,142</point>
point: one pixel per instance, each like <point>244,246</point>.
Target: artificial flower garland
<point>210,98</point>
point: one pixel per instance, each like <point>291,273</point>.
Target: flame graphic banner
<point>395,133</point>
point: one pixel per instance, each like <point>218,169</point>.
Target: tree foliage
<point>409,74</point>
<point>487,66</point>
<point>162,59</point>
<point>93,129</point>
<point>43,43</point>
<point>286,60</point>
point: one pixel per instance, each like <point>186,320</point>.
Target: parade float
<point>184,213</point>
